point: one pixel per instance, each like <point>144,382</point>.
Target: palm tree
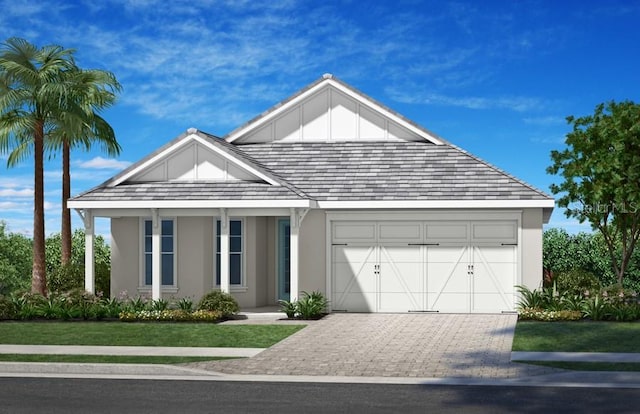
<point>32,89</point>
<point>81,126</point>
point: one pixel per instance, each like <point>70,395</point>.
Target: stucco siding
<point>313,252</point>
<point>194,257</point>
<point>532,248</point>
<point>125,262</point>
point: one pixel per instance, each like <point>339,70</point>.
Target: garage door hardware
<point>423,244</point>
<point>339,244</point>
<point>509,244</point>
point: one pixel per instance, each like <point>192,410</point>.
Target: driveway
<point>392,345</point>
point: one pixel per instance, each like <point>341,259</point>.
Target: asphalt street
<point>54,395</point>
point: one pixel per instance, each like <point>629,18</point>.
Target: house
<point>328,190</point>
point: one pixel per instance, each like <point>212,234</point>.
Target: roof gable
<point>329,110</point>
<point>193,156</point>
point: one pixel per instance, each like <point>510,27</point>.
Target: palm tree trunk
<point>38,276</point>
<point>65,234</point>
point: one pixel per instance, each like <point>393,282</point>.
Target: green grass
<point>105,359</point>
<point>588,366</point>
<point>144,334</point>
<point>584,336</point>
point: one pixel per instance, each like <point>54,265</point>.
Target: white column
<point>294,225</point>
<point>225,283</point>
<point>89,262</point>
<point>156,256</point>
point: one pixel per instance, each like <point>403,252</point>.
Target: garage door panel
<point>497,254</point>
<point>400,301</point>
<point>444,254</point>
<point>354,232</point>
<point>349,277</point>
<point>401,254</point>
<point>445,278</point>
<point>400,231</point>
<point>352,254</point>
<point>357,302</point>
<point>501,277</point>
<point>494,231</point>
<point>453,302</point>
<point>469,270</point>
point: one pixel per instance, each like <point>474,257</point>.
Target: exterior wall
<point>125,262</point>
<point>532,248</point>
<point>195,256</point>
<point>313,252</point>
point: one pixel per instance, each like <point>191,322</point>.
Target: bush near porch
<point>78,304</point>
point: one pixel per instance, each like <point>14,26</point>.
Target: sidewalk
<point>130,350</point>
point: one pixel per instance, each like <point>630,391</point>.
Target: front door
<point>284,280</point>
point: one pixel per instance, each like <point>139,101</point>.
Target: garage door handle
<point>423,244</point>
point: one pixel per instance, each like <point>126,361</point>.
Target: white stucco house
<point>329,190</point>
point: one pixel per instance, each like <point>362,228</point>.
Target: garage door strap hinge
<point>423,244</point>
<point>339,244</point>
<point>509,244</point>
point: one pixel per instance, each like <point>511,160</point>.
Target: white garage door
<point>424,266</point>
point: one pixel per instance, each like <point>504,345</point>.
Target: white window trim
<point>242,287</point>
<point>142,287</point>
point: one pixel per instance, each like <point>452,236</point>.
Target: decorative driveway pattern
<point>392,345</point>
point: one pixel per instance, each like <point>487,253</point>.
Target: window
<point>167,249</point>
<point>235,252</point>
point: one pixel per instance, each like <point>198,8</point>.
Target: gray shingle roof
<point>351,171</point>
<point>186,190</point>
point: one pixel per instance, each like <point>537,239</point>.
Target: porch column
<point>89,262</point>
<point>156,255</point>
<point>225,283</point>
<point>294,226</point>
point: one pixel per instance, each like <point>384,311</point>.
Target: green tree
<point>32,90</point>
<point>80,125</point>
<point>15,261</point>
<point>602,179</point>
<point>70,275</point>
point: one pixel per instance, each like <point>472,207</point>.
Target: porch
<point>252,253</point>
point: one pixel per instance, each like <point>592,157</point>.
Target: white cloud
<point>514,103</point>
<point>10,192</point>
<point>544,121</point>
<point>13,206</point>
<point>104,164</point>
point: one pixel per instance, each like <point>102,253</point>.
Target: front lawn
<point>144,334</point>
<point>584,336</point>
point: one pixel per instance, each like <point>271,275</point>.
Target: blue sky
<point>496,78</point>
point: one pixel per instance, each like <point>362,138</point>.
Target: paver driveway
<point>393,345</point>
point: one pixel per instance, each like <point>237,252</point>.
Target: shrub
<point>65,278</point>
<point>185,304</point>
<point>312,305</point>
<point>549,315</point>
<point>217,300</point>
<point>576,282</point>
<point>535,299</point>
<point>170,315</point>
<point>289,308</point>
<point>596,308</point>
<point>7,308</point>
<point>159,305</point>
